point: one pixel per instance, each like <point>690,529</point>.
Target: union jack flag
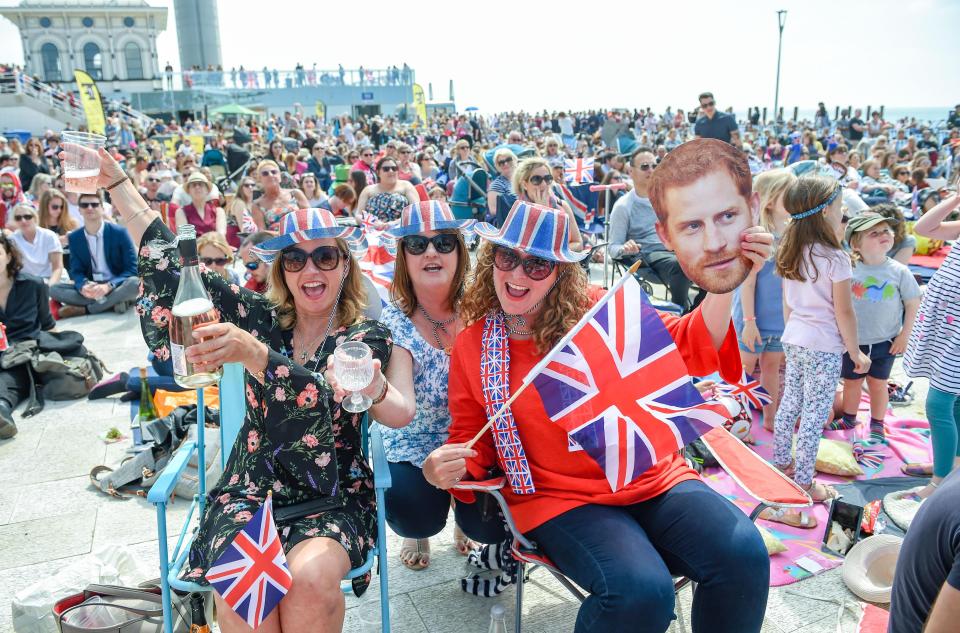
<point>619,387</point>
<point>578,170</point>
<point>379,261</point>
<point>748,392</point>
<point>252,575</point>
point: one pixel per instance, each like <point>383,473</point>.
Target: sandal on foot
<point>917,469</point>
<point>820,492</point>
<point>415,553</point>
<point>789,516</point>
<point>461,542</point>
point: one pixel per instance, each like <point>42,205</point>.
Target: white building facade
<point>115,41</point>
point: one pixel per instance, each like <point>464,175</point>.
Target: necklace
<point>437,326</point>
<point>519,317</point>
<point>304,352</point>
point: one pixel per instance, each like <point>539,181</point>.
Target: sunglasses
<point>417,244</point>
<point>646,166</point>
<point>405,151</point>
<point>367,155</point>
<point>153,180</point>
<point>211,261</point>
<point>538,179</point>
<point>324,258</point>
<point>708,104</point>
<point>536,268</point>
<point>389,168</point>
<point>504,161</point>
<point>89,205</point>
<point>23,218</point>
<point>252,265</point>
<point>55,207</point>
<point>247,184</point>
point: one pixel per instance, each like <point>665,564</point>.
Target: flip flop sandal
<point>917,469</point>
<point>789,516</point>
<point>830,492</point>
<point>412,556</point>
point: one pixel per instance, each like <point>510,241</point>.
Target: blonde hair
<point>771,185</point>
<point>503,152</point>
<point>401,288</point>
<point>352,298</point>
<point>65,223</point>
<point>217,241</point>
<point>264,163</point>
<point>563,306</point>
<point>525,170</point>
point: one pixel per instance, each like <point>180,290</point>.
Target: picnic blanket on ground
<point>909,441</point>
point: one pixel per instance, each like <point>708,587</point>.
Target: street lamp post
<point>781,20</point>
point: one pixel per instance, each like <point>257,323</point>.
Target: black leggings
<point>415,509</point>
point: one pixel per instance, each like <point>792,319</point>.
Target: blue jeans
<point>415,509</point>
<point>625,557</point>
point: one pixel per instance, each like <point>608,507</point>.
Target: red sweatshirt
<point>566,480</point>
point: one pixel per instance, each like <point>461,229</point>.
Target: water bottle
<point>498,619</point>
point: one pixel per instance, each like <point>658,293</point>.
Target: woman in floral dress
<point>296,440</point>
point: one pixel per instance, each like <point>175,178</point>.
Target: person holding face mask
<point>528,292</point>
<point>275,202</point>
<point>296,440</point>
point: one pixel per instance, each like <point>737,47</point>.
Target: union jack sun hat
<point>304,225</point>
<point>429,215</point>
<point>534,229</point>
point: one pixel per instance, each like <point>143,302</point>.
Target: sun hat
<point>197,177</point>
<point>868,568</point>
<point>534,229</point>
<point>866,220</point>
<point>429,215</point>
<point>304,225</point>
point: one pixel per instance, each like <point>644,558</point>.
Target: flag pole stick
<point>523,386</point>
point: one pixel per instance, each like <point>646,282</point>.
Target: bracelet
<point>383,393</point>
<point>118,183</point>
<point>753,318</point>
<point>141,212</point>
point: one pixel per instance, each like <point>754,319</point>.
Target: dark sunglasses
<point>367,155</point>
<point>89,205</point>
<point>417,244</point>
<point>536,268</point>
<point>536,180</point>
<point>646,166</point>
<point>55,207</point>
<point>504,161</point>
<point>389,168</point>
<point>210,261</point>
<point>708,104</point>
<point>252,265</point>
<point>324,258</point>
<point>21,218</point>
<point>153,180</point>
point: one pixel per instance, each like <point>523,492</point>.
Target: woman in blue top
<point>758,308</point>
<point>431,269</point>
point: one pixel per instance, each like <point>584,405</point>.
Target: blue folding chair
<point>232,412</point>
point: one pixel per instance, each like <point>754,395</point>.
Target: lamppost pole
<point>781,20</point>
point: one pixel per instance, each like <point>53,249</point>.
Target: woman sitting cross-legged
<point>296,440</point>
<point>623,546</point>
<point>431,269</point>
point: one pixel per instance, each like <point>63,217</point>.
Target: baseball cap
<point>866,221</point>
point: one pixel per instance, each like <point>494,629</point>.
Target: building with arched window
<point>115,41</point>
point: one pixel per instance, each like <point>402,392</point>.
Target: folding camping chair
<point>766,484</point>
<point>646,275</point>
<point>232,413</point>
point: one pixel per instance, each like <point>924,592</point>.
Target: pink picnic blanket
<point>908,441</point>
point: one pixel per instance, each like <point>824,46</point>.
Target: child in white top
<point>820,324</point>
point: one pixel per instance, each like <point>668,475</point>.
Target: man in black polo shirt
<point>716,124</point>
<point>926,583</point>
<point>857,126</point>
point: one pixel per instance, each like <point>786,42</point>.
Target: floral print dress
<point>295,440</point>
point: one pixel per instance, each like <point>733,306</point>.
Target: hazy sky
<point>558,55</point>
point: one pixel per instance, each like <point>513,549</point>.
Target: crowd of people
<point>798,232</point>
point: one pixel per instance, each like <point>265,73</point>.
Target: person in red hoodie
<point>11,194</point>
<point>622,546</point>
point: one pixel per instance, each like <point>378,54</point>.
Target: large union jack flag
<point>578,170</point>
<point>619,387</point>
<point>379,261</point>
<point>252,575</point>
<point>748,392</point>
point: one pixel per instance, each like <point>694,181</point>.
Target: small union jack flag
<point>748,392</point>
<point>379,262</point>
<point>252,575</point>
<point>578,170</point>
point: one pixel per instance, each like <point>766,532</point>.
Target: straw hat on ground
<point>868,568</point>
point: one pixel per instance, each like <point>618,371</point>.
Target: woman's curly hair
<point>564,305</point>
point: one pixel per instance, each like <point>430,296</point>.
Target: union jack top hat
<point>534,229</point>
<point>304,225</point>
<point>429,215</point>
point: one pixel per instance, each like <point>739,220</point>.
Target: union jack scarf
<point>495,381</point>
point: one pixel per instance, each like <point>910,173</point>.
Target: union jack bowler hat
<point>429,215</point>
<point>304,225</point>
<point>533,229</point>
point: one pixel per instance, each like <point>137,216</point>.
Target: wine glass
<point>353,369</point>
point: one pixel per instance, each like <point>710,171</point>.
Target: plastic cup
<point>81,170</point>
<point>368,613</point>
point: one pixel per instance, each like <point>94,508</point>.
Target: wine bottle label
<point>179,359</point>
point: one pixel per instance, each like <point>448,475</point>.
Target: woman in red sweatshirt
<point>623,546</point>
